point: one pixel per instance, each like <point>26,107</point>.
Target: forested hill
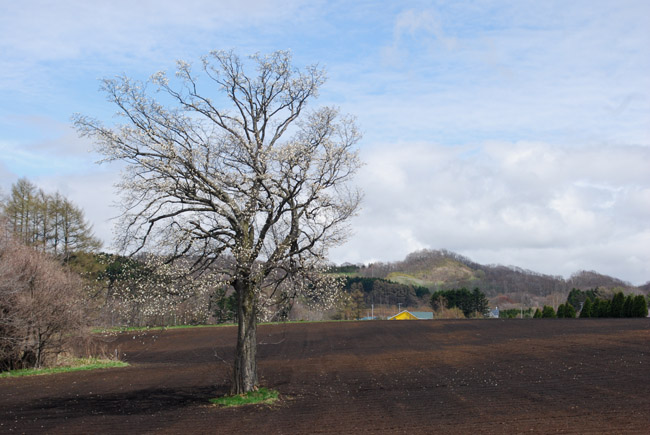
<point>444,269</point>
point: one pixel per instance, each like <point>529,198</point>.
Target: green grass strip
<point>155,328</point>
<point>79,365</point>
<point>220,325</point>
<point>262,395</point>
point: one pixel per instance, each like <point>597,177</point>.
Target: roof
<point>412,315</point>
<point>423,315</point>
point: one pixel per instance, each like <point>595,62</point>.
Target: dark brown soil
<point>476,376</point>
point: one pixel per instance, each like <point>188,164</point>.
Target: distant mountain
<point>441,269</point>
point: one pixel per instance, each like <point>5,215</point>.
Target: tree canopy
<point>49,222</point>
<point>469,302</point>
<point>231,163</point>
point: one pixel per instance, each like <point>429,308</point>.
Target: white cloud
<point>41,40</point>
<point>515,132</point>
<point>534,205</point>
<point>422,28</point>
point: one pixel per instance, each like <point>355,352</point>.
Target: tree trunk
<point>245,369</point>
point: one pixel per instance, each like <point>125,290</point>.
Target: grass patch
<point>74,365</point>
<point>155,328</point>
<point>119,329</point>
<point>263,395</point>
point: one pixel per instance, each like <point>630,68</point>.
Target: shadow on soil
<point>147,401</point>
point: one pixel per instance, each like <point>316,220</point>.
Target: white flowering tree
<point>246,173</point>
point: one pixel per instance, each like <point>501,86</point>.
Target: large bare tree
<point>246,173</point>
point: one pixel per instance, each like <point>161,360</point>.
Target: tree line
<point>48,222</point>
<point>618,306</point>
<point>588,303</point>
<point>469,302</point>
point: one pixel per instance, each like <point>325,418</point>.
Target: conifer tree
<point>569,311</point>
<point>640,306</point>
<point>548,312</point>
<point>617,305</point>
<point>604,308</point>
<point>586,309</point>
<point>628,306</point>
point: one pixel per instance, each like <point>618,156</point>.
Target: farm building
<point>415,315</point>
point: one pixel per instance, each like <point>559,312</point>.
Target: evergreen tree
<point>538,314</point>
<point>628,306</point>
<point>548,312</point>
<point>640,306</point>
<point>560,311</point>
<point>468,302</point>
<point>586,309</point>
<point>617,305</point>
<point>578,297</point>
<point>569,311</point>
<point>358,303</point>
<point>604,308</point>
<point>480,302</point>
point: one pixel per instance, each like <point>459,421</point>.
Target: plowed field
<point>480,376</point>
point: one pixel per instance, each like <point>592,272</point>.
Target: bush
<point>41,306</point>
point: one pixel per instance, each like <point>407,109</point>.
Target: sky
<point>513,133</point>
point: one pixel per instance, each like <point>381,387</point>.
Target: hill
<point>441,269</point>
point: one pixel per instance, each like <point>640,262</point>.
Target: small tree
<point>358,303</point>
<point>548,312</point>
<point>538,314</point>
<point>560,311</point>
<point>223,306</point>
<point>569,311</point>
<point>640,306</point>
<point>628,306</point>
<point>480,301</point>
<point>618,305</point>
<point>438,301</point>
<point>586,309</point>
<point>604,308</point>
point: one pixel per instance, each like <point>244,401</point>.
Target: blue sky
<point>515,133</point>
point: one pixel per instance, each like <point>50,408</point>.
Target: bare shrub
<point>41,307</point>
<point>448,313</point>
